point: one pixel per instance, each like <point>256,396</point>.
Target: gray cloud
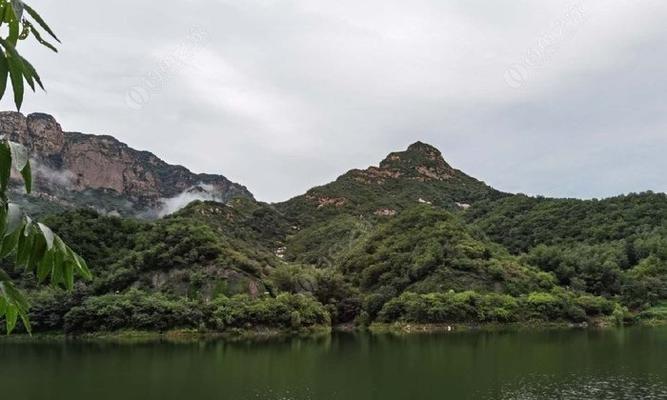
<point>285,95</point>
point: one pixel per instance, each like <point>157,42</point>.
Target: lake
<point>555,364</point>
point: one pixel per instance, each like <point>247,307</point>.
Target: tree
<point>34,246</point>
<point>21,20</point>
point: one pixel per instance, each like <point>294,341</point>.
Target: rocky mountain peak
<point>425,148</point>
<point>416,175</point>
<point>69,165</point>
<point>41,133</point>
<point>420,161</point>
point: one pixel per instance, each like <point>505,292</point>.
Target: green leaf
<point>75,262</point>
<point>38,250</point>
<point>16,71</point>
<point>26,173</point>
<point>4,74</point>
<point>25,247</point>
<point>2,11</point>
<point>40,21</point>
<point>68,274</point>
<point>16,76</point>
<point>11,316</point>
<point>5,165</point>
<point>83,267</point>
<point>45,266</point>
<point>58,273</point>
<point>39,38</point>
<point>26,322</point>
<point>15,305</point>
<point>28,77</point>
<point>9,243</point>
<point>16,297</point>
<point>17,6</point>
<point>21,163</point>
<point>28,69</point>
<point>14,218</point>
<point>3,220</point>
<point>19,155</point>
<point>11,17</point>
<point>3,306</point>
<point>48,235</point>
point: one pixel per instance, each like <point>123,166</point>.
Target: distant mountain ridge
<point>411,240</point>
<point>75,169</point>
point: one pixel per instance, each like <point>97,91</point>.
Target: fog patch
<point>202,192</point>
<point>52,177</point>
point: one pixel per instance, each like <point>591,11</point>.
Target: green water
<point>575,364</point>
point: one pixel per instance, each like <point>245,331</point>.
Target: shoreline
<point>261,334</point>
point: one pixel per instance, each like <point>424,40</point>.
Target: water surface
<point>570,364</point>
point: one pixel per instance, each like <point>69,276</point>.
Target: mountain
<point>418,175</point>
<point>74,170</point>
<point>360,198</point>
<point>412,240</point>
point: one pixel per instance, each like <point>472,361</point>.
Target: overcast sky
<point>540,97</point>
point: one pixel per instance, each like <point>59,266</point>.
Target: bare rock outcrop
<point>103,164</point>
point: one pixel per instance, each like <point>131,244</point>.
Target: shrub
<point>472,307</point>
<point>49,307</point>
<point>595,305</point>
<point>326,284</point>
<point>284,311</point>
<point>133,310</point>
<point>295,320</point>
<point>544,306</point>
<point>450,307</point>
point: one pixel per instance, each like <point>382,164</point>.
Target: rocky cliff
<point>75,169</point>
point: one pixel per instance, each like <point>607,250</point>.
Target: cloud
<point>202,192</point>
<point>60,178</point>
<point>283,95</point>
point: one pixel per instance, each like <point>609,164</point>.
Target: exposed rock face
<point>417,174</point>
<point>324,201</point>
<point>420,161</point>
<point>105,165</point>
<point>385,212</point>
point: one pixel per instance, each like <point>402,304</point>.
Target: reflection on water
<point>559,365</point>
<point>574,387</point>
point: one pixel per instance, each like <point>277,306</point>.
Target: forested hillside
<point>412,240</point>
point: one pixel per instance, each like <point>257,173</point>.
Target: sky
<point>556,98</point>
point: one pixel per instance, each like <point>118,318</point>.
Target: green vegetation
<point>285,311</point>
<point>413,241</point>
<point>400,181</point>
<point>656,314</point>
<point>472,307</point>
<point>520,222</point>
<point>139,310</point>
<point>34,246</point>
<point>22,22</point>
